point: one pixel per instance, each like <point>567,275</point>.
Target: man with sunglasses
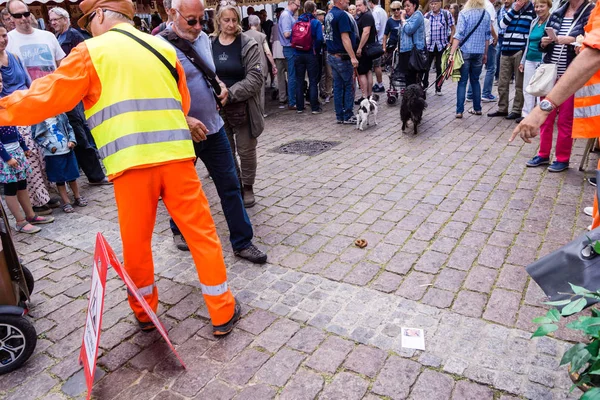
<point>38,50</point>
<point>187,17</point>
<point>136,101</point>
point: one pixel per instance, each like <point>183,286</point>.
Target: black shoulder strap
<point>474,29</point>
<point>162,58</point>
<point>197,61</point>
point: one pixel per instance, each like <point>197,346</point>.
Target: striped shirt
<point>439,29</point>
<point>517,24</point>
<point>559,52</point>
<point>501,13</point>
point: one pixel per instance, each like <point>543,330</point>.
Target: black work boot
<point>248,196</point>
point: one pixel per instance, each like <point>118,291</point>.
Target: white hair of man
<point>117,15</point>
<point>60,12</point>
<point>253,20</point>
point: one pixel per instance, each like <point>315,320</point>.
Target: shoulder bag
<point>545,75</point>
<point>418,58</point>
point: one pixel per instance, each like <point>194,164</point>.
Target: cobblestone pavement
<point>452,216</point>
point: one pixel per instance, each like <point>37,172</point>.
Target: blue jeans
<point>469,71</point>
<point>290,55</point>
<point>490,70</point>
<point>343,95</point>
<point>499,47</point>
<point>216,155</point>
<point>307,63</point>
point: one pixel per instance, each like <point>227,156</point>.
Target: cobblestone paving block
<point>229,346</point>
<point>244,367</point>
<point>345,385</point>
<point>306,339</point>
<point>196,376</point>
<point>168,395</point>
<point>396,378</point>
<point>415,285</point>
<point>481,279</point>
<point>432,385</point>
<point>330,355</point>
<point>280,367</point>
<point>305,385</point>
<point>217,390</point>
<point>365,360</point>
<point>33,367</point>
<point>450,279</point>
<point>512,277</point>
<point>257,321</point>
<point>502,307</point>
<point>118,356</point>
<point>277,335</point>
<point>36,387</point>
<point>465,390</point>
<point>387,282</point>
<point>258,391</point>
<point>438,298</point>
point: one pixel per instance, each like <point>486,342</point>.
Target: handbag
<point>418,58</point>
<point>575,263</point>
<point>236,114</point>
<point>545,75</point>
<point>373,50</point>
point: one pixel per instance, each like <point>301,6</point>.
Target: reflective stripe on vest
<point>138,119</point>
<point>126,106</point>
<point>215,290</point>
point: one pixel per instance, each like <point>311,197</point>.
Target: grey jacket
<point>249,88</point>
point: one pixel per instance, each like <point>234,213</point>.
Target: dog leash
<point>436,79</point>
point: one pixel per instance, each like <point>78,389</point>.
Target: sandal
<point>472,111</point>
<point>67,208</point>
<point>459,115</point>
<point>80,201</point>
<point>27,228</point>
<point>37,220</point>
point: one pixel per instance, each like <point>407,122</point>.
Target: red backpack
<point>302,36</point>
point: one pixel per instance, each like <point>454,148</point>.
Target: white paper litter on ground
<point>413,338</point>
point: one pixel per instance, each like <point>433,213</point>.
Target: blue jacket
<point>70,40</point>
<point>413,31</point>
<point>316,31</point>
<point>54,133</point>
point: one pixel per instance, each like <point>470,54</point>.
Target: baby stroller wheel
<point>17,341</point>
<point>391,100</point>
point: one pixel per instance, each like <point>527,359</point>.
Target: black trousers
<point>86,155</point>
<point>435,55</point>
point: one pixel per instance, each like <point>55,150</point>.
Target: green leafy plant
<point>583,358</point>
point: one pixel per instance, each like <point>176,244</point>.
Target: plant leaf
<point>558,302</point>
<point>596,246</point>
<point>595,368</point>
<point>542,320</point>
<point>593,394</point>
<point>580,359</point>
<point>574,307</point>
<point>593,348</point>
<point>595,312</point>
<point>568,356</point>
<point>553,314</point>
<point>544,329</point>
<point>579,289</point>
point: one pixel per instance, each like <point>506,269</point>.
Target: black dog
<point>413,104</point>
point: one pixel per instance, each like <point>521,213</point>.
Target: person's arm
<point>319,40</point>
<point>583,67</point>
<point>4,154</point>
<point>413,23</point>
<point>270,57</point>
<point>287,26</point>
<point>384,41</point>
<point>494,34</point>
<point>22,142</point>
<point>74,80</point>
<point>459,35</point>
<point>363,40</point>
<point>348,47</point>
<point>508,17</point>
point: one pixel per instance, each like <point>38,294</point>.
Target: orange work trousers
<point>137,192</point>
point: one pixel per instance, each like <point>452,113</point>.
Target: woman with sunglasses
<point>390,34</point>
<point>238,65</point>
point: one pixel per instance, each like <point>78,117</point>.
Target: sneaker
<point>518,120</point>
<point>558,166</point>
<point>350,121</point>
<point>299,111</point>
<point>488,99</point>
<point>357,102</point>
<point>222,330</point>
<point>38,220</point>
<point>378,88</point>
<point>180,243</point>
<point>146,326</point>
<point>438,93</point>
<point>592,181</point>
<point>469,100</point>
<point>316,112</point>
<point>588,211</point>
<point>339,121</point>
<point>291,108</point>
<point>248,197</point>
<point>252,254</point>
<point>537,161</point>
<point>282,106</point>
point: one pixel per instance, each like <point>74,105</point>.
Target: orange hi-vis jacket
<point>80,76</point>
<point>586,122</point>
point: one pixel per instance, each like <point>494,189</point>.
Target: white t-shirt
<point>381,18</point>
<point>38,51</point>
<point>489,7</point>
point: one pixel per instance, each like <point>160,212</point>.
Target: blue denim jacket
<point>54,133</point>
<point>413,30</point>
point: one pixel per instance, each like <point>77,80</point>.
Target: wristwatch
<point>547,106</point>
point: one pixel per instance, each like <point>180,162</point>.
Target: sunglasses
<point>25,14</point>
<point>90,18</point>
<point>395,9</point>
<point>191,22</point>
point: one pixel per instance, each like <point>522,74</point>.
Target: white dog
<point>367,107</point>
